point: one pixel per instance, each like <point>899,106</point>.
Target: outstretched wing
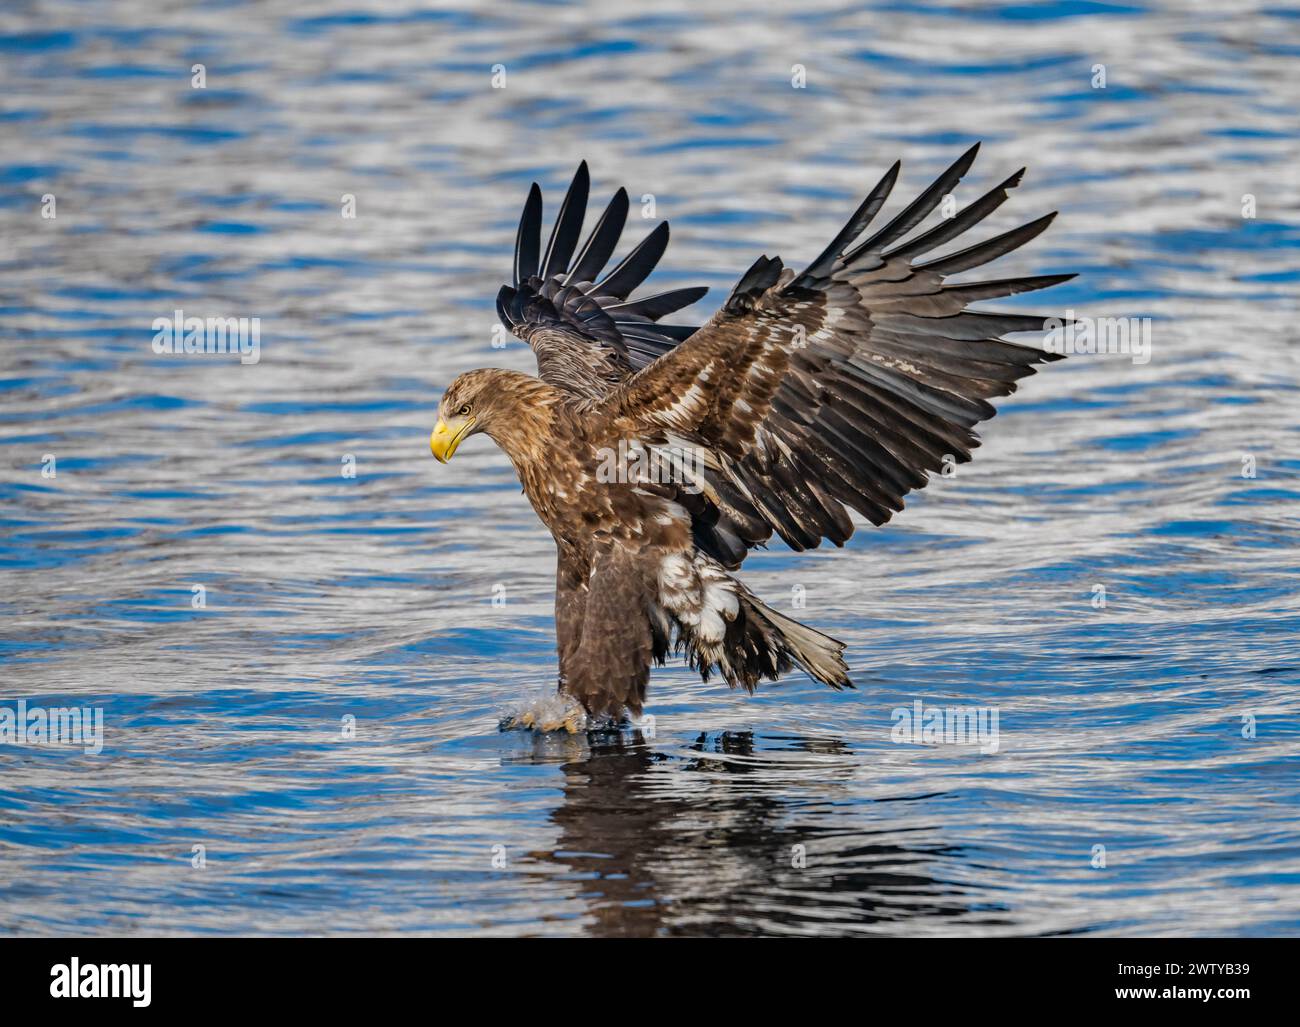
<point>589,336</point>
<point>844,385</point>
<point>586,332</point>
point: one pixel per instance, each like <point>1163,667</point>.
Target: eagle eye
<point>464,410</point>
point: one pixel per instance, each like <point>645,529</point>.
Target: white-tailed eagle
<point>808,394</point>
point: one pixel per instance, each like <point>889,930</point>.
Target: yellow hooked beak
<point>446,437</point>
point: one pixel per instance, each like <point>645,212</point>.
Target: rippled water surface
<point>371,597</point>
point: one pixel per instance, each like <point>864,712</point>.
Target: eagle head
<point>492,400</point>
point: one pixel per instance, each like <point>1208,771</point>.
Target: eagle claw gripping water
<point>559,712</point>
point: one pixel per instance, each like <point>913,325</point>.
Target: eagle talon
<point>574,722</point>
<point>549,714</point>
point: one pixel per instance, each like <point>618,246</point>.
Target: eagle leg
<point>608,670</point>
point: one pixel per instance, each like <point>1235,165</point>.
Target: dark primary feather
<point>528,240</point>
<point>989,250</point>
<point>963,222</point>
<point>600,244</point>
<point>568,225</point>
<point>651,308</point>
<point>916,211</point>
<point>857,224</point>
<point>635,268</point>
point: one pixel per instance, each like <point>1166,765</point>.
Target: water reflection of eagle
<point>807,395</point>
<point>718,843</point>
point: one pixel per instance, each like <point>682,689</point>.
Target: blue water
<point>1127,795</point>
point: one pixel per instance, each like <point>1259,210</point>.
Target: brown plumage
<point>805,396</point>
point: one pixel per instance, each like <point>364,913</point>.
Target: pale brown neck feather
<point>523,425</point>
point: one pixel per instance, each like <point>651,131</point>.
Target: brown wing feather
<point>847,384</point>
